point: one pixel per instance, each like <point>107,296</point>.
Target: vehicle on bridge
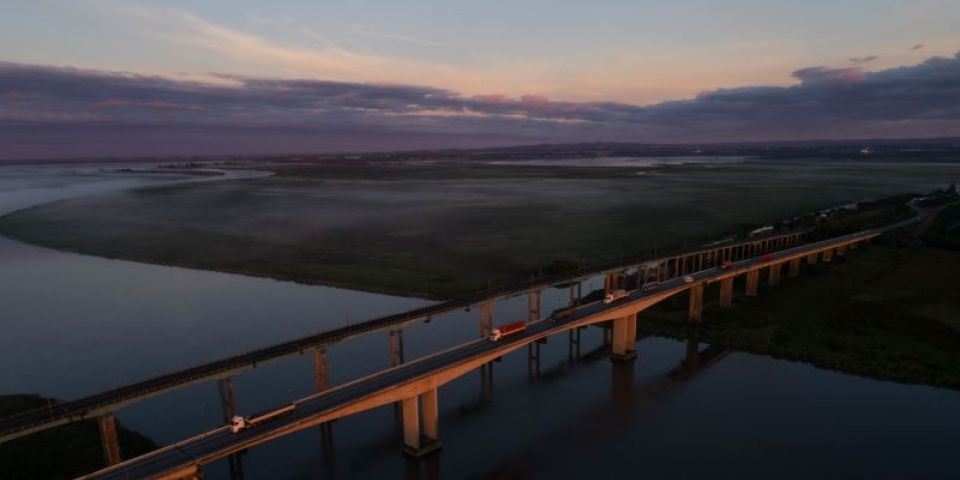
<point>238,423</point>
<point>726,265</point>
<point>507,330</point>
<point>562,313</point>
<point>614,296</point>
<point>767,257</point>
<point>688,279</point>
<point>650,286</point>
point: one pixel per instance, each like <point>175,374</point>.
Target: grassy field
<point>440,229</point>
<point>889,311</point>
<point>62,452</point>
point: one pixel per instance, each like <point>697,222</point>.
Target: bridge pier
<point>695,310</point>
<point>415,444</point>
<point>773,278</point>
<point>191,472</point>
<point>228,400</point>
<point>486,318</point>
<point>573,348</point>
<point>812,259</point>
<point>726,292</point>
<point>624,339</point>
<point>753,281</point>
<point>235,466</point>
<point>533,360</point>
<point>533,306</point>
<point>321,373</point>
<point>321,380</point>
<point>396,347</point>
<point>795,268</point>
<point>827,255</point>
<point>575,294</point>
<point>109,440</point>
<point>842,249</point>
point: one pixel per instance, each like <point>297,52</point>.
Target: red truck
<point>767,257</point>
<point>507,330</point>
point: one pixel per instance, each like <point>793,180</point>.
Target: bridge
<point>414,385</point>
<point>103,405</point>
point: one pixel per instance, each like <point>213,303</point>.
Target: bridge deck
<point>432,371</point>
<point>112,400</point>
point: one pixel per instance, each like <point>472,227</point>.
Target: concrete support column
<point>228,401</point>
<point>396,347</point>
<point>726,292</point>
<point>842,249</point>
<point>794,268</point>
<point>574,294</point>
<point>695,311</point>
<point>533,361</point>
<point>827,255</point>
<point>533,306</point>
<point>411,426</point>
<point>774,278</point>
<point>321,373</point>
<point>573,347</point>
<point>414,444</point>
<point>431,414</point>
<point>624,339</point>
<point>753,280</point>
<point>109,440</point>
<point>812,259</point>
<point>486,318</point>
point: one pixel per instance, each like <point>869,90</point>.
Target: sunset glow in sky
<point>126,77</point>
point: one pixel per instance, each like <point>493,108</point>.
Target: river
<point>73,325</point>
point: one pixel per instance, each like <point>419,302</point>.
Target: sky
<point>81,78</point>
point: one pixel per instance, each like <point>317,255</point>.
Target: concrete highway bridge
<point>414,385</point>
<point>103,405</point>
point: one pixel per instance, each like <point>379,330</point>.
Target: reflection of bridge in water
<point>414,384</point>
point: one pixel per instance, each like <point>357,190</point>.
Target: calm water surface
<point>74,324</point>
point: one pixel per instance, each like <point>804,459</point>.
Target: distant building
<point>866,151</point>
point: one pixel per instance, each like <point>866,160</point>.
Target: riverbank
<point>63,452</point>
<point>889,311</point>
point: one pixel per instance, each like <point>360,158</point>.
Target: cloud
<point>812,75</point>
<point>53,111</point>
<point>862,60</point>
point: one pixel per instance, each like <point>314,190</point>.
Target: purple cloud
<point>49,111</point>
<point>862,60</point>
